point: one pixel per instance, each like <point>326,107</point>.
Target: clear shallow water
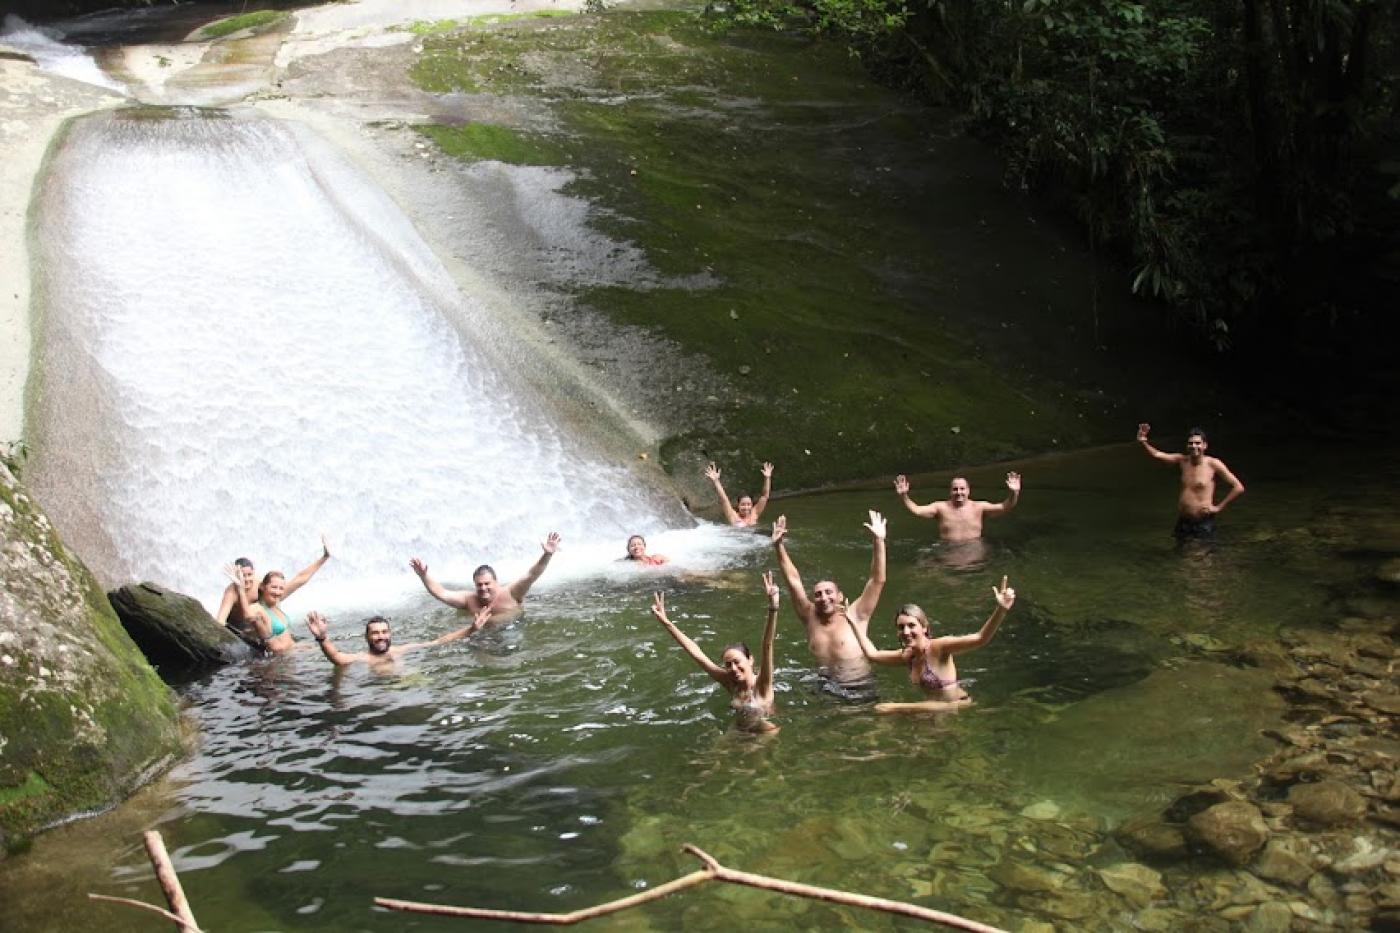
<point>562,761</point>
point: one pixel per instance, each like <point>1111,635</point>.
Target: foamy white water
<point>245,343</point>
<point>45,45</point>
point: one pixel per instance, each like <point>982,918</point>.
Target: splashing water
<point>246,343</point>
<point>45,46</point>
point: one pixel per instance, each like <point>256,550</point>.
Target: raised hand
<point>317,624</point>
<point>779,530</point>
<point>1006,596</point>
<point>901,485</point>
<point>1143,428</point>
<point>877,524</point>
<point>551,544</point>
<point>1013,482</point>
<point>771,589</point>
<point>658,608</point>
<point>482,617</point>
<point>418,566</point>
<point>234,573</point>
<point>767,470</point>
<point>712,472</point>
<point>325,546</point>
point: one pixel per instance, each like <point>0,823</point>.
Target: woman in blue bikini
<point>751,691</point>
<point>929,659</point>
<point>266,616</point>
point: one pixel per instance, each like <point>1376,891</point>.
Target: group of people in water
<point>837,630</point>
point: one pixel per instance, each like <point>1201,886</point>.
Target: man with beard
<point>824,614</point>
<point>960,516</point>
<point>1196,507</point>
<point>382,650</point>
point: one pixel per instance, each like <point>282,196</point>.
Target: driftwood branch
<point>179,912</point>
<point>141,905</point>
<point>713,871</point>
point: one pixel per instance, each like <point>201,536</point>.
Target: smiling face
<point>744,507</point>
<point>1196,447</point>
<point>377,637</point>
<point>826,599</point>
<point>739,666</point>
<point>913,633</point>
<point>273,586</point>
<point>485,583</point>
<point>636,547</point>
<point>959,491</point>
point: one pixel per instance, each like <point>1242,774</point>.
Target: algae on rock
<point>84,719</point>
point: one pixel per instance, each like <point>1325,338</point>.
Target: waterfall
<point>44,45</point>
<point>243,343</point>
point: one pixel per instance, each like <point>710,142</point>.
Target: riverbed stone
<point>1233,830</point>
<point>1153,839</point>
<point>1270,917</point>
<point>1288,859</point>
<point>1138,884</point>
<point>173,631</point>
<point>84,719</point>
<point>1326,803</point>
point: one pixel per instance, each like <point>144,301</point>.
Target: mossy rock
<point>84,719</point>
<point>173,631</point>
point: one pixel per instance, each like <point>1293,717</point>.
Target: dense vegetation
<point>1234,154</point>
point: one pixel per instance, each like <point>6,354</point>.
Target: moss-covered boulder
<point>173,631</point>
<point>83,718</point>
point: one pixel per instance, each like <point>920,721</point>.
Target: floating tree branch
<point>713,871</point>
<point>169,881</point>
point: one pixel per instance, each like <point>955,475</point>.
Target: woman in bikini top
<point>750,691</point>
<point>266,617</point>
<point>637,550</point>
<point>929,659</point>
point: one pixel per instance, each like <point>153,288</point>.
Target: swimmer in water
<point>267,622</point>
<point>505,604</point>
<point>382,652</point>
<point>745,513</point>
<point>1196,507</point>
<point>637,551</point>
<point>929,659</point>
<point>960,516</point>
<point>750,691</point>
<point>230,612</point>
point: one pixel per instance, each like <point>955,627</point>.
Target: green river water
<point>564,760</point>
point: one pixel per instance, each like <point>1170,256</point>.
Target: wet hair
<point>956,478</point>
<point>243,562</point>
<point>267,577</point>
<point>743,497</point>
<point>630,539</point>
<point>913,611</point>
<point>372,620</point>
<point>737,646</point>
<point>484,568</point>
<point>1197,432</point>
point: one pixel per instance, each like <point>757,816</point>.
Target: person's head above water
<point>1195,442</point>
<point>636,547</point>
<point>959,491</point>
<point>737,661</point>
<point>827,598</point>
<point>271,588</point>
<point>912,624</point>
<point>744,506</point>
<point>245,570</point>
<point>484,579</point>
<point>377,635</point>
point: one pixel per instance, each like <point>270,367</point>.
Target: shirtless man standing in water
<point>825,614</point>
<point>504,604</point>
<point>960,516</point>
<point>382,650</point>
<point>1196,508</point>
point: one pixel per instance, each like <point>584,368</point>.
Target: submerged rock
<point>1326,803</point>
<point>1233,830</point>
<point>1139,884</point>
<point>83,718</point>
<point>1152,839</point>
<point>175,632</point>
<point>1286,858</point>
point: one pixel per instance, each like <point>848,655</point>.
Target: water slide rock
<point>173,631</point>
<point>84,720</point>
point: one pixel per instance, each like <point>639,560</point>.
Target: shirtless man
<point>746,512</point>
<point>1196,508</point>
<point>825,614</point>
<point>960,516</point>
<point>504,604</point>
<point>382,651</point>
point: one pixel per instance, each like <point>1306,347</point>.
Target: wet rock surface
<point>173,631</point>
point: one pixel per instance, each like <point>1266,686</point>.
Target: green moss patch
<point>258,21</point>
<point>479,141</point>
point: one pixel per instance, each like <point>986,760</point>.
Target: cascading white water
<point>245,343</point>
<point>44,45</point>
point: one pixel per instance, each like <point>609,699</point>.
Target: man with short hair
<point>505,604</point>
<point>382,650</point>
<point>1196,506</point>
<point>825,613</point>
<point>960,516</point>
